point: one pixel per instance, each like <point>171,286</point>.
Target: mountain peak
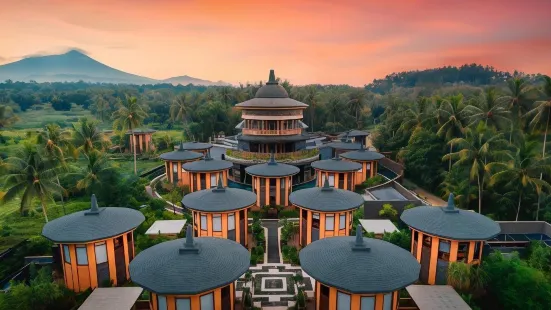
<point>75,52</point>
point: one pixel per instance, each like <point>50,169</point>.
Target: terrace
<point>516,236</point>
<point>279,157</point>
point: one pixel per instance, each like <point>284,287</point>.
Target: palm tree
<point>102,105</point>
<point>311,98</point>
<point>356,101</point>
<point>516,100</point>
<point>129,116</point>
<point>7,117</point>
<point>334,107</point>
<point>33,176</point>
<point>87,137</point>
<point>540,117</point>
<point>180,110</point>
<point>448,114</point>
<point>417,115</point>
<point>488,108</point>
<point>226,95</point>
<point>96,168</point>
<point>475,149</point>
<point>521,171</point>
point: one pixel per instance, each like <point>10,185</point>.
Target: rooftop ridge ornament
<point>337,157</point>
<point>94,209</point>
<point>326,187</point>
<point>219,187</point>
<point>272,161</point>
<point>450,208</point>
<point>359,244</point>
<point>207,156</point>
<point>272,80</point>
<point>181,148</point>
<point>362,148</point>
<point>190,247</point>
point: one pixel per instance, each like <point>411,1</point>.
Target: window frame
<point>339,293</point>
<point>232,221</point>
<point>216,217</point>
<point>342,222</point>
<point>211,297</point>
<point>100,245</point>
<point>183,299</point>
<point>203,219</point>
<point>66,254</point>
<point>77,247</point>
<point>327,217</point>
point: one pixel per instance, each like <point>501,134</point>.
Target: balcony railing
<point>271,132</point>
<point>291,156</point>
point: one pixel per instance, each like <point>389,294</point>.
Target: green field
<point>32,119</point>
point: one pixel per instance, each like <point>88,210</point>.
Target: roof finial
<point>451,202</point>
<point>359,244</point>
<point>326,186</point>
<point>272,159</point>
<point>207,156</point>
<point>272,79</point>
<point>220,186</point>
<point>94,209</point>
<point>337,157</point>
<point>181,145</point>
<point>190,245</point>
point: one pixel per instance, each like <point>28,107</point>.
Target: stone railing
<point>281,157</point>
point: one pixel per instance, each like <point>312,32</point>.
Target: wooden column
<point>433,260</point>
<point>278,191</point>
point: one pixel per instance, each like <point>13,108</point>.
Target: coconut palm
<point>518,90</point>
<point>7,117</point>
<point>226,94</point>
<point>490,109</point>
<point>357,100</point>
<point>96,168</point>
<point>31,176</point>
<point>102,106</point>
<point>180,110</point>
<point>522,171</point>
<point>311,97</point>
<point>334,107</point>
<point>475,149</point>
<point>417,115</point>
<point>449,120</point>
<point>88,137</point>
<point>129,116</point>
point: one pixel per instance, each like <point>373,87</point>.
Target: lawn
<point>39,118</point>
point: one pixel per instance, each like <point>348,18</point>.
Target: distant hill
<point>75,66</point>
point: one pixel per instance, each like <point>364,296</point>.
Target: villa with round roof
<point>441,235</point>
<point>324,212</point>
<point>174,160</point>
<point>198,147</point>
<point>221,212</point>
<point>206,172</point>
<point>96,245</point>
<point>358,136</point>
<point>340,173</point>
<point>191,273</point>
<point>358,273</point>
<point>272,182</point>
<point>368,161</point>
<point>143,138</point>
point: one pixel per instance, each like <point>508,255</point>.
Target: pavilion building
<point>272,182</point>
<point>174,161</point>
<point>198,147</point>
<point>143,138</point>
<point>324,212</point>
<point>357,136</point>
<point>191,273</point>
<point>221,212</point>
<point>206,173</point>
<point>441,235</point>
<point>340,173</point>
<point>369,161</point>
<point>272,122</point>
<point>344,145</point>
<point>96,245</point>
<point>358,273</point>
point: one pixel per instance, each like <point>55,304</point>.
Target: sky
<point>305,41</point>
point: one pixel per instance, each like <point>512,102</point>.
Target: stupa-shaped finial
<point>207,156</point>
<point>181,148</point>
<point>220,186</point>
<point>189,246</point>
<point>326,186</point>
<point>450,208</point>
<point>94,209</point>
<point>272,159</point>
<point>359,244</point>
<point>337,157</point>
<point>272,78</point>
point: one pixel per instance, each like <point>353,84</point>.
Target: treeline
<point>486,145</point>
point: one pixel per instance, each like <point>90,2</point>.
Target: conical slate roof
<point>354,133</point>
<point>272,169</point>
<point>326,199</point>
<point>193,146</point>
<point>189,266</point>
<point>181,154</point>
<point>359,265</point>
<point>271,95</point>
<point>94,224</point>
<point>451,222</point>
<point>207,164</point>
<point>219,199</point>
<point>362,155</point>
<point>336,164</point>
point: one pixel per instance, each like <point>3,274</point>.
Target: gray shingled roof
<point>207,164</point>
<point>189,266</point>
<point>272,169</point>
<point>336,164</point>
<point>219,199</point>
<point>352,146</point>
<point>94,224</point>
<point>362,155</point>
<point>354,133</point>
<point>291,138</point>
<point>451,222</point>
<point>181,154</point>
<point>271,95</point>
<point>192,146</point>
<point>359,265</point>
<point>326,199</point>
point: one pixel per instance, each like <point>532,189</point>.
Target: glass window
<point>342,221</point>
<point>231,222</point>
<point>213,180</point>
<point>367,303</point>
<point>183,304</point>
<point>175,167</point>
<point>66,254</point>
<point>161,302</point>
<point>331,180</point>
<point>82,256</point>
<point>329,222</point>
<point>217,222</point>
<point>207,302</point>
<point>101,253</point>
<point>343,301</point>
<point>387,302</point>
<point>203,222</point>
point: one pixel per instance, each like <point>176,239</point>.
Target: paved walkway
<point>429,197</point>
<point>272,240</point>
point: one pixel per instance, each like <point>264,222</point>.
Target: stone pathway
<point>272,240</point>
